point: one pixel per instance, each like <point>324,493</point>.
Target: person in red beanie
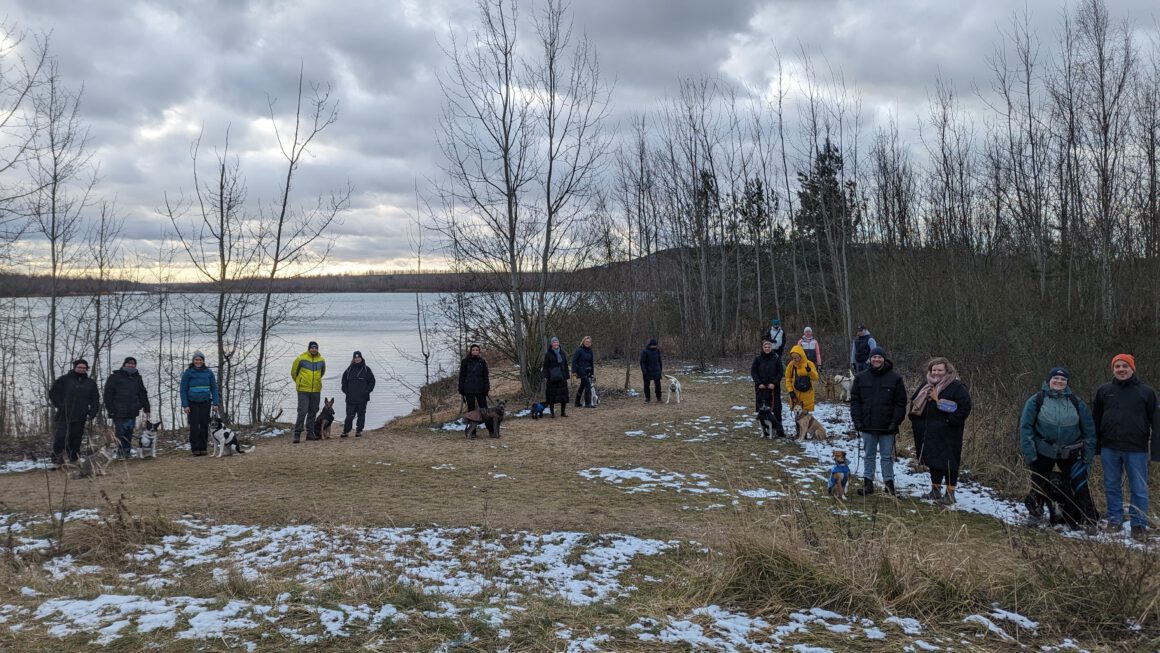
<point>1127,421</point>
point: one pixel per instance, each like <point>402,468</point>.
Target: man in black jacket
<point>878,406</point>
<point>1127,422</point>
<point>125,396</point>
<point>767,372</point>
<point>358,381</point>
<point>651,369</point>
<point>76,399</point>
<point>474,379</point>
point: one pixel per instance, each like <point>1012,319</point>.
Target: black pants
<point>1075,479</point>
<point>586,390</point>
<point>198,426</point>
<point>66,439</point>
<point>771,396</point>
<point>563,407</point>
<point>937,476</point>
<point>475,401</point>
<point>358,409</point>
<point>656,383</point>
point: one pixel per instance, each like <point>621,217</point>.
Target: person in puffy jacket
<point>307,371</point>
<point>801,379</point>
<point>811,347</point>
<point>651,369</point>
<point>555,369</point>
<point>1056,429</point>
<point>199,395</point>
<point>358,382</point>
<point>938,415</point>
<point>125,397</point>
<point>474,379</point>
<point>767,372</point>
<point>877,408</point>
<point>76,399</point>
<point>584,367</point>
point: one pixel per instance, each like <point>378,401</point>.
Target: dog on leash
<point>148,437</point>
<point>325,419</point>
<point>224,439</point>
<point>537,410</point>
<point>767,421</point>
<point>491,418</point>
<point>839,476</point>
<point>808,427</point>
<point>844,383</point>
<point>674,389</point>
<point>595,396</point>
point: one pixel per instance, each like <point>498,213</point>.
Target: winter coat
<point>307,372</point>
<point>651,366</point>
<point>938,436</point>
<point>125,394</point>
<point>766,369</point>
<point>583,362</point>
<point>805,368</point>
<point>75,397</point>
<point>358,382</point>
<point>199,386</point>
<point>878,400</point>
<point>1126,417</point>
<point>1056,424</point>
<point>812,350</point>
<point>474,378</point>
<point>777,336</point>
<point>861,347</point>
<point>556,375</point>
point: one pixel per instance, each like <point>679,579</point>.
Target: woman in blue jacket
<point>199,393</point>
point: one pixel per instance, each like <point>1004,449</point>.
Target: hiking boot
<point>890,488</point>
<point>345,434</point>
<point>781,432</point>
<point>297,436</point>
<point>948,498</point>
<point>1114,527</point>
<point>358,434</point>
<point>1139,533</point>
<point>935,494</point>
<point>867,488</point>
<point>563,411</point>
<point>648,401</point>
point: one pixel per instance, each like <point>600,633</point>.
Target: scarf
<point>931,391</point>
<point>559,353</point>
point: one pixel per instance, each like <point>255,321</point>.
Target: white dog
<point>224,439</point>
<point>149,440</point>
<point>674,388</point>
<point>595,396</point>
<point>844,383</point>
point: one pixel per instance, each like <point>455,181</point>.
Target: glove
<point>793,395</point>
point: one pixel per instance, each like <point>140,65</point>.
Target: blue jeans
<point>124,427</point>
<point>1116,464</point>
<point>883,445</point>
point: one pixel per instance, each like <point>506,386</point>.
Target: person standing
<point>938,415</point>
<point>125,397</point>
<point>474,379</point>
<point>307,371</point>
<point>801,378</point>
<point>1056,429</point>
<point>776,336</point>
<point>877,407</point>
<point>199,394</point>
<point>860,349</point>
<point>767,372</point>
<point>76,399</point>
<point>358,382</point>
<point>556,378</point>
<point>810,347</point>
<point>1127,423</point>
<point>584,367</point>
<point>651,368</point>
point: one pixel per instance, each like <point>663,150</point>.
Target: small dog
<point>537,410</point>
<point>674,389</point>
<point>224,439</point>
<point>844,383</point>
<point>595,396</point>
<point>1058,507</point>
<point>149,440</point>
<point>325,419</point>
<point>839,476</point>
<point>491,418</point>
<point>767,421</point>
<point>808,428</point>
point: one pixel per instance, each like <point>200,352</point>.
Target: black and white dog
<point>674,389</point>
<point>224,438</point>
<point>767,421</point>
<point>149,440</point>
<point>592,385</point>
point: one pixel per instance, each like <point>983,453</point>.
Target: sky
<point>155,74</point>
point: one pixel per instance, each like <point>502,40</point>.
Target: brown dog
<point>839,476</point>
<point>808,428</point>
<point>325,419</point>
<point>491,418</point>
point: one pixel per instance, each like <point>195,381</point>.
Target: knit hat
<point>554,339</point>
<point>197,355</point>
<point>1127,358</point>
<point>312,345</point>
<point>1059,371</point>
<point>877,351</point>
<point>807,330</point>
<point>776,322</point>
<point>129,359</point>
<point>652,342</point>
<point>356,354</point>
<point>80,361</point>
<point>861,327</point>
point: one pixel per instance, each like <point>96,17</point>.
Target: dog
<point>829,388</point>
<point>93,464</point>
<point>767,421</point>
<point>224,439</point>
<point>844,383</point>
<point>537,410</point>
<point>595,396</point>
<point>324,420</point>
<point>1059,507</point>
<point>491,418</point>
<point>674,389</point>
<point>808,427</point>
<point>149,440</point>
<point>839,476</point>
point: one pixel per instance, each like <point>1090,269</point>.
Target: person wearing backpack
<point>1056,429</point>
<point>801,377</point>
<point>776,335</point>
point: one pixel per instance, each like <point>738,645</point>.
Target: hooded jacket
<point>75,397</point>
<point>651,366</point>
<point>307,372</point>
<point>1125,414</point>
<point>1056,424</point>
<point>474,377</point>
<point>125,394</point>
<point>804,368</point>
<point>199,386</point>
<point>878,400</point>
<point>358,382</point>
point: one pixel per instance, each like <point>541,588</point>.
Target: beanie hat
<point>1127,358</point>
<point>652,342</point>
<point>198,354</point>
<point>878,351</point>
<point>807,330</point>
<point>356,354</point>
<point>554,339</point>
<point>776,322</point>
<point>1059,371</point>
<point>311,344</point>
<point>80,361</point>
<point>129,359</point>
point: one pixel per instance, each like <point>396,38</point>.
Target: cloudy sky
<point>156,73</point>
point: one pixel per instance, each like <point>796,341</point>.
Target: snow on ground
<point>643,479</point>
<point>16,466</point>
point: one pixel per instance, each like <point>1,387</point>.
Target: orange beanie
<point>1127,358</point>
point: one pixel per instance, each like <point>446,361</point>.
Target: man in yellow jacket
<point>801,377</point>
<point>307,372</point>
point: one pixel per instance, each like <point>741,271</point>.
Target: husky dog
<point>766,420</point>
<point>325,419</point>
<point>537,410</point>
<point>839,476</point>
<point>149,440</point>
<point>844,383</point>
<point>674,389</point>
<point>808,428</point>
<point>224,439</point>
<point>491,418</point>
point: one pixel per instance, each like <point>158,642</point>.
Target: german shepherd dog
<point>325,419</point>
<point>808,427</point>
<point>149,440</point>
<point>839,476</point>
<point>491,418</point>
